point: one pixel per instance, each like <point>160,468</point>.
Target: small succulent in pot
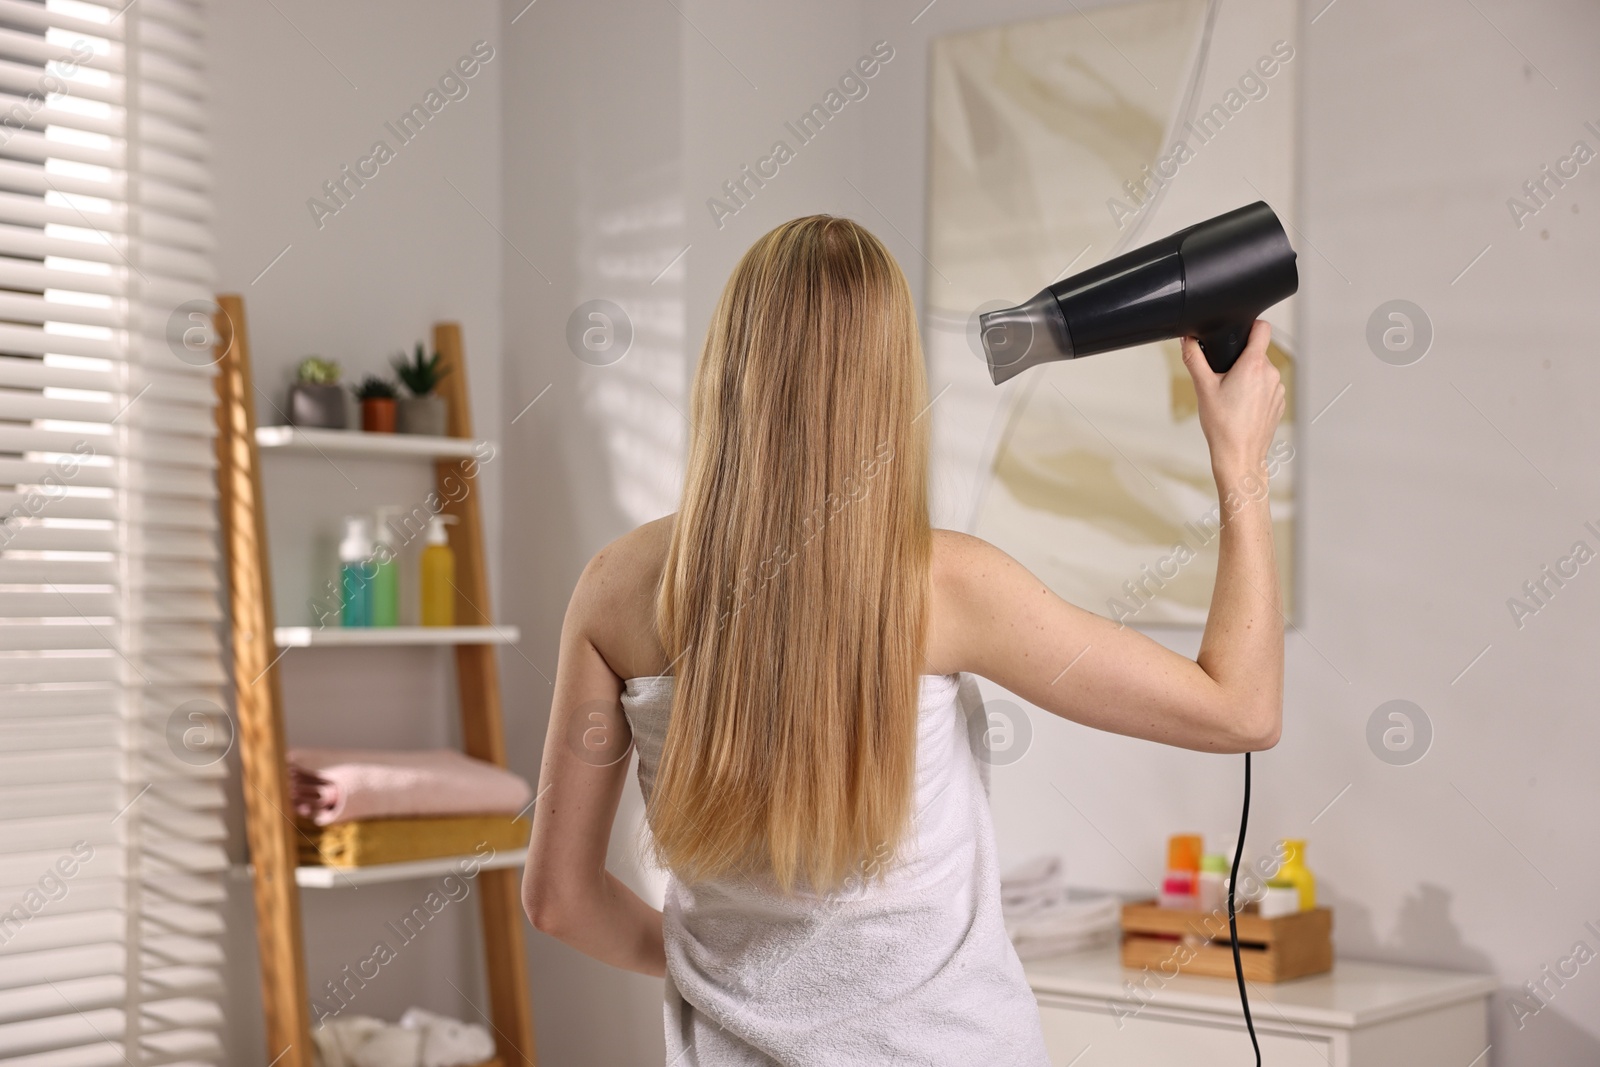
<point>315,397</point>
<point>424,411</point>
<point>377,396</point>
<point>314,370</point>
<point>373,387</point>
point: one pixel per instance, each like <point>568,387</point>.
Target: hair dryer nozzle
<point>1020,337</point>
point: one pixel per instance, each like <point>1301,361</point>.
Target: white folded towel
<point>448,1042</point>
<point>1045,917</point>
<point>338,1039</point>
<point>420,1039</point>
<point>391,1046</point>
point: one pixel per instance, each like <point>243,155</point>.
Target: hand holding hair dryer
<point>1209,281</point>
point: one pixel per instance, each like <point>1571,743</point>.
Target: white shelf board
<point>354,877</point>
<point>373,636</point>
<point>314,877</point>
<point>359,442</point>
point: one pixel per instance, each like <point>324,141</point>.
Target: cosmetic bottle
<point>385,568</point>
<point>1181,884</point>
<point>1295,873</point>
<point>438,577</point>
<point>355,577</point>
<point>1213,886</point>
<point>1280,898</point>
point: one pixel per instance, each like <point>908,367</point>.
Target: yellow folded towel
<point>373,841</point>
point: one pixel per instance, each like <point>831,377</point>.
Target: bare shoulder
<point>613,605</point>
<point>968,579</point>
<point>966,565</point>
<point>956,554</point>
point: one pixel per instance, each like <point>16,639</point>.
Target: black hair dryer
<point>1209,281</point>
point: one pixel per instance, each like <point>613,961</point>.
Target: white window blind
<point>111,682</point>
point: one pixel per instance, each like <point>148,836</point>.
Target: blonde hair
<point>793,599</point>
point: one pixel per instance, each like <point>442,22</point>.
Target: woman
<point>787,652</point>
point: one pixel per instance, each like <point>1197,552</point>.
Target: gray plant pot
<point>320,406</point>
<point>423,415</point>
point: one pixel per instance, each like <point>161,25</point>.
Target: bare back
<point>988,616</point>
<point>626,636</point>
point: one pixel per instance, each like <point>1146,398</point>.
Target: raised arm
<point>994,618</point>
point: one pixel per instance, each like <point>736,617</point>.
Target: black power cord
<point>1233,926</point>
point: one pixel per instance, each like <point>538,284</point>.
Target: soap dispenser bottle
<point>355,577</point>
<point>1295,872</point>
<point>385,600</point>
<point>438,575</point>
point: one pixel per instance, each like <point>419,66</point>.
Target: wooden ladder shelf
<point>272,834</point>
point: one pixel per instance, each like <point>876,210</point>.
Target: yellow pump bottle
<point>438,579</point>
<point>1295,872</point>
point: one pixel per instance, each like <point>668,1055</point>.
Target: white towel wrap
<point>915,970</point>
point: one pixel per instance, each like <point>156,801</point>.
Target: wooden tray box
<point>1170,941</point>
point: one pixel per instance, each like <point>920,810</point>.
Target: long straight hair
<point>793,599</point>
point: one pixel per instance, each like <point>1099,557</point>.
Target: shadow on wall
<point>1426,936</point>
<point>597,424</point>
<point>629,331</point>
<point>1548,1037</point>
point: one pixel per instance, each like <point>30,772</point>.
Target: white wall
<point>1440,488</point>
<point>592,147</point>
<point>1421,515</point>
<point>298,89</point>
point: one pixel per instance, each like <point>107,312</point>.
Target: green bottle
<point>355,576</point>
<point>385,574</point>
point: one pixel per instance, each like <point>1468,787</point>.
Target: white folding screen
<point>112,733</point>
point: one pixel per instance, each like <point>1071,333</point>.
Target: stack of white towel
<point>420,1039</point>
<point>1045,918</point>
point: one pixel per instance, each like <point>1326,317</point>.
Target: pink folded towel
<point>335,785</point>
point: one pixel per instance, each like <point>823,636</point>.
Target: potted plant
<point>424,411</point>
<point>377,396</point>
<point>315,397</point>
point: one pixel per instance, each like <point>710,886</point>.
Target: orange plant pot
<point>377,414</point>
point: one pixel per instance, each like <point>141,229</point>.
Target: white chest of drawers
<point>1096,1014</point>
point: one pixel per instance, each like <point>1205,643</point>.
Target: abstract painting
<point>1054,145</point>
